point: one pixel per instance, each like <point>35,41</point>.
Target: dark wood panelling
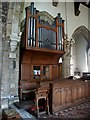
<point>25,71</point>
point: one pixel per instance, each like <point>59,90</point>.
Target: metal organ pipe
<point>39,33</point>
<point>59,32</point>
<point>32,23</point>
<point>29,31</point>
<point>46,31</point>
<point>54,35</point>
<point>63,35</point>
<point>34,28</point>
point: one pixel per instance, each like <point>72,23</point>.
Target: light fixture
<point>60,60</point>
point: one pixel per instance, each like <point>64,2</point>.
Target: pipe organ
<point>44,31</point>
<point>42,44</point>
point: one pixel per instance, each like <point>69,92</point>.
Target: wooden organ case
<point>42,44</point>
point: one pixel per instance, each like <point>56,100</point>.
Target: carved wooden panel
<point>83,91</point>
<point>55,71</point>
<point>66,93</point>
<point>89,89</point>
<point>63,96</point>
<point>25,74</point>
<point>68,96</point>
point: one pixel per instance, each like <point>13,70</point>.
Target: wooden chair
<point>26,87</point>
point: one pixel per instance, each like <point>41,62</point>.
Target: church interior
<point>45,59</point>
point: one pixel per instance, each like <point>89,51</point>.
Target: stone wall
<point>9,56</point>
<point>0,53</point>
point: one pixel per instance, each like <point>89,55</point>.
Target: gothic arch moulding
<point>83,31</point>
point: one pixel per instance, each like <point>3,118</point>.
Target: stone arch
<point>82,30</point>
<point>85,33</point>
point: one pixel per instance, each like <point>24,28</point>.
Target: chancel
<point>44,60</point>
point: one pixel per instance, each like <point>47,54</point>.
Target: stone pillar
<point>10,53</point>
<point>66,66</point>
<point>0,57</point>
<point>4,59</point>
<point>67,58</point>
<point>14,68</point>
<point>14,55</point>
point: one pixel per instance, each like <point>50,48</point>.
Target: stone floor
<point>23,113</point>
<point>80,111</point>
<point>0,114</point>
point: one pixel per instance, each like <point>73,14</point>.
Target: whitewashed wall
<point>89,60</point>
<point>81,54</point>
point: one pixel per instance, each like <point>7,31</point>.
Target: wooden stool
<point>42,93</point>
<point>10,114</point>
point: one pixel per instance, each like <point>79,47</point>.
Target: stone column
<point>14,55</point>
<point>4,57</point>
<point>67,58</point>
<point>10,53</point>
<point>14,67</point>
<point>0,56</point>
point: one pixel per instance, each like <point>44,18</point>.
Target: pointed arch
<point>82,30</point>
<point>85,33</point>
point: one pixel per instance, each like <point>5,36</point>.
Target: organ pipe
<point>46,30</point>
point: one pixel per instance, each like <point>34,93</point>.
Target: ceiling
<point>87,4</point>
<point>76,5</point>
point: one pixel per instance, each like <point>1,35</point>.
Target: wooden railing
<point>68,93</point>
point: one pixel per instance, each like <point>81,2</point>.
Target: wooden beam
<point>55,2</point>
<point>76,8</point>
